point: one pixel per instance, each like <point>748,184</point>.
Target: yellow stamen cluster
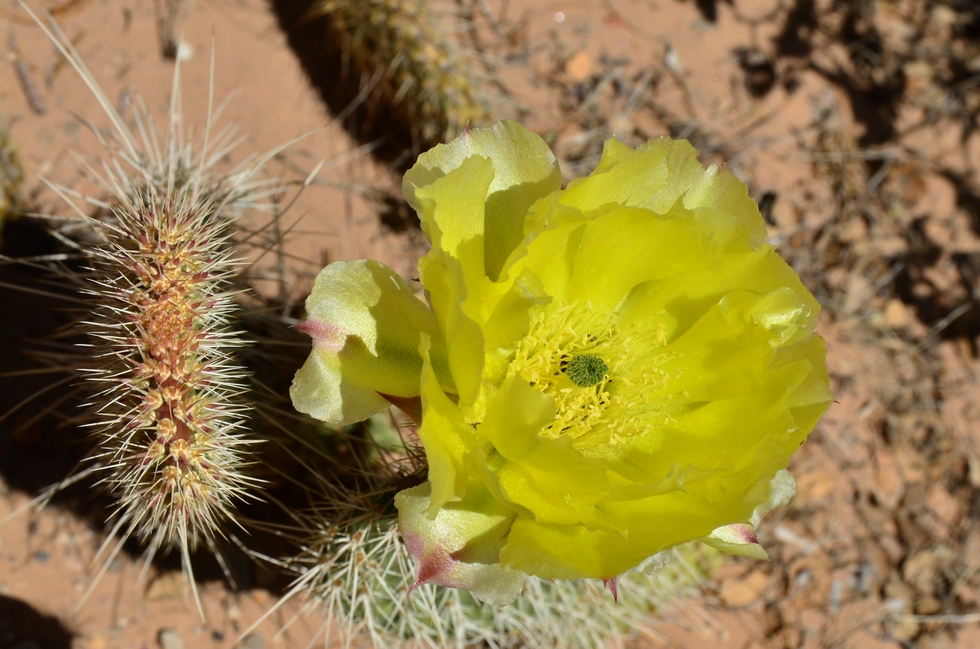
<point>603,378</point>
<point>643,395</point>
<point>558,335</point>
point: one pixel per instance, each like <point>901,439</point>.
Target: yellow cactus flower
<point>610,370</point>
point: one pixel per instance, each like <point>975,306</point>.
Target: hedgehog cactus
<point>356,572</point>
<point>358,576</point>
<point>405,57</point>
<point>168,414</point>
<point>169,411</point>
<point>167,392</point>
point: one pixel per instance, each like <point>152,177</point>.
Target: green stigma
<point>586,370</point>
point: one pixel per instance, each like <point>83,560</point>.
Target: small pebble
<point>253,641</point>
<point>41,557</point>
<point>217,636</point>
<point>170,639</point>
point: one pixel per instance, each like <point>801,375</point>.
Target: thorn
<point>415,584</point>
<point>611,584</point>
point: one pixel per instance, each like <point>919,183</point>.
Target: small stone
<point>168,585</point>
<point>881,565</point>
<point>41,556</point>
<point>579,67</point>
<point>97,641</point>
<point>924,571</point>
<point>170,639</point>
<point>890,484</point>
<point>772,620</point>
<point>897,315</point>
<point>185,51</point>
<point>856,294</point>
<point>233,612</point>
<point>622,124</point>
<point>943,17</point>
<point>973,472</point>
<point>911,465</point>
<point>744,592</point>
<point>905,629</point>
<point>938,640</point>
<point>816,485</point>
<point>928,606</point>
<point>945,506</point>
<point>253,641</point>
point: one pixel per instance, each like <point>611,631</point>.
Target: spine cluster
<point>358,576</point>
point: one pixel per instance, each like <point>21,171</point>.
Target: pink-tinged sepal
<point>325,335</point>
<point>460,547</point>
<point>740,538</point>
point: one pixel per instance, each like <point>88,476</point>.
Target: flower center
<point>608,383</point>
<point>570,353</point>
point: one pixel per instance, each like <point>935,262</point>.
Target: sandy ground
<point>873,199</point>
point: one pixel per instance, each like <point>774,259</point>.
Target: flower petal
<point>366,326</point>
<point>658,174</point>
<point>566,551</point>
<point>600,261</point>
<point>524,170</point>
<point>647,526</point>
<point>725,365</point>
<point>547,476</point>
<point>445,437</point>
<point>460,547</point>
<point>452,272</point>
